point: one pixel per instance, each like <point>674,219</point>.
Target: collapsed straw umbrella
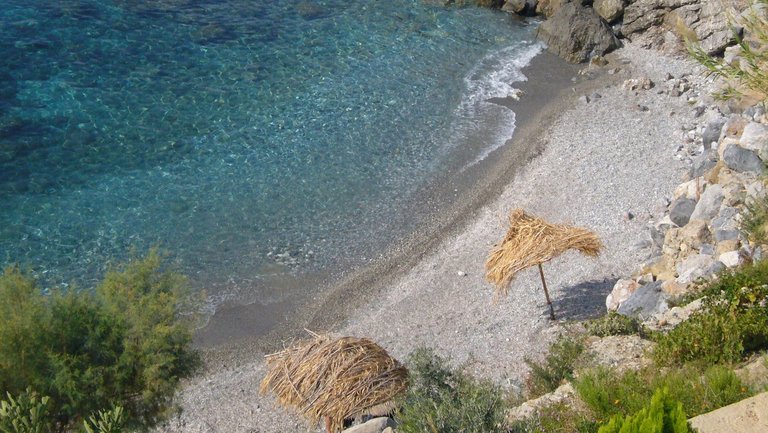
<point>533,241</point>
<point>335,379</point>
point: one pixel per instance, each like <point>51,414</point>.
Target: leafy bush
<point>557,367</point>
<point>613,323</point>
<point>663,415</point>
<point>733,321</point>
<point>26,413</point>
<point>122,344</point>
<point>608,393</point>
<point>754,221</point>
<point>105,421</point>
<point>750,74</point>
<point>556,418</point>
<point>440,399</point>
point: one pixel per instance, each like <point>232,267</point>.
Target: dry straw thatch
<point>337,378</point>
<point>531,241</point>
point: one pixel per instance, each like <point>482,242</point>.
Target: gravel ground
<point>602,161</point>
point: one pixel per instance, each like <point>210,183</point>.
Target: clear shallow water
<point>251,139</point>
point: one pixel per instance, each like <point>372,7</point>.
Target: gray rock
<point>703,163</point>
<point>610,10</point>
<point>712,131</point>
<point>726,234</point>
<point>577,33</point>
<point>521,7</point>
<point>680,211</point>
<point>755,138</point>
<point>709,203</point>
<point>739,159</point>
<point>697,266</point>
<point>645,302</point>
<point>376,425</point>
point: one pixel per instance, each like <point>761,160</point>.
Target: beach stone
<point>697,266</point>
<point>642,83</point>
<point>680,210</point>
<point>755,138</point>
<point>728,245</point>
<point>709,204</point>
<point>672,288</point>
<point>746,416</point>
<point>663,268</point>
<point>622,290</point>
<point>376,425</point>
<point>577,33</point>
<point>712,131</point>
<point>695,234</point>
<point>610,10</point>
<point>731,259</point>
<point>690,189</point>
<point>703,163</point>
<point>645,302</point>
<point>739,159</point>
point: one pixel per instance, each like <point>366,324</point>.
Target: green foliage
<point>754,221</point>
<point>613,323</point>
<point>105,421</point>
<point>444,400</point>
<point>733,321</point>
<point>556,418</point>
<point>752,72</point>
<point>608,393</point>
<point>557,367</point>
<point>125,343</point>
<point>26,413</point>
<point>663,415</point>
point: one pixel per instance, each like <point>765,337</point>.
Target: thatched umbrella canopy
<point>335,378</point>
<point>532,241</point>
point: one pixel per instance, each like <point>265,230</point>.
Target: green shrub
<point>663,415</point>
<point>123,343</point>
<point>733,321</point>
<point>556,368</point>
<point>608,393</point>
<point>105,421</point>
<point>440,399</point>
<point>754,221</point>
<point>752,73</point>
<point>26,413</point>
<point>556,418</point>
<point>613,323</point>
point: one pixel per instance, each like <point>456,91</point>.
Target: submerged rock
<point>577,33</point>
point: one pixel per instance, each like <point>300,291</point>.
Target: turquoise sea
<point>252,139</point>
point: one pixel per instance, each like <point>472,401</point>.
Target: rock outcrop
<point>577,33</point>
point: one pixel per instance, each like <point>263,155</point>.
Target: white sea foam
<point>493,77</point>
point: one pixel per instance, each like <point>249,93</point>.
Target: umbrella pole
<point>328,424</point>
<point>546,293</point>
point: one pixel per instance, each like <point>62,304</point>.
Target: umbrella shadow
<point>584,300</point>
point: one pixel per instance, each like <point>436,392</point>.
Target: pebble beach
<point>605,153</point>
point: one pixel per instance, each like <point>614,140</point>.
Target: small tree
<point>124,343</point>
<point>664,415</point>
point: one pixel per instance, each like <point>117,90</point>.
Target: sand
<point>607,165</point>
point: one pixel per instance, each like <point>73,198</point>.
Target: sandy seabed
<point>606,165</point>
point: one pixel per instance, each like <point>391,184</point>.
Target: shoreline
<point>606,165</point>
<point>226,335</point>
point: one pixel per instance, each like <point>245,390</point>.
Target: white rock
<point>622,290</point>
<point>461,274</point>
<point>731,259</point>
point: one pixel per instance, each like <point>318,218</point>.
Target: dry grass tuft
<point>339,378</point>
<point>531,241</point>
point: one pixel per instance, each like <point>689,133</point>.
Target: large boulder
<point>755,137</point>
<point>645,302</point>
<point>709,203</point>
<point>610,10</point>
<point>739,159</point>
<point>577,33</point>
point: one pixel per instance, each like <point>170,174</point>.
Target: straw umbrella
<point>335,379</point>
<point>532,241</point>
